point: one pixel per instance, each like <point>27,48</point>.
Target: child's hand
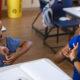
<point>11,59</point>
<point>4,51</point>
<point>65,51</point>
<point>73,52</point>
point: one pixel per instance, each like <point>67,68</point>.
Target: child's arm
<point>25,46</point>
<point>74,58</point>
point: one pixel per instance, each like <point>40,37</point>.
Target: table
<point>73,11</point>
<point>41,69</point>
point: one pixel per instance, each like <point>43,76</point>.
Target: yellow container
<point>14,8</point>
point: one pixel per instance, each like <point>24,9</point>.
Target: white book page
<point>44,70</point>
<point>14,74</point>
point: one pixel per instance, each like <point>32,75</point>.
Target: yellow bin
<point>14,8</point>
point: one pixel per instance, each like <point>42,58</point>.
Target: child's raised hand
<point>73,52</point>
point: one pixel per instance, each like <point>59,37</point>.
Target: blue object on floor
<point>74,41</point>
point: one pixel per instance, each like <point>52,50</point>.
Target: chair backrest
<point>57,9</point>
<point>48,16</point>
<point>58,6</point>
<point>42,4</point>
<point>52,11</point>
<point>67,3</point>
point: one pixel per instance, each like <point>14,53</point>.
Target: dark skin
<point>71,55</point>
<point>66,52</point>
<point>59,56</point>
<point>22,49</point>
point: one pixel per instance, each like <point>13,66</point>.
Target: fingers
<point>69,49</point>
<point>75,46</point>
<point>8,62</point>
<point>66,55</point>
<point>66,51</point>
<point>7,57</point>
<point>10,59</point>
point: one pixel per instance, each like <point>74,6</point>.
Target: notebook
<point>42,69</point>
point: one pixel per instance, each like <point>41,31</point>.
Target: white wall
<point>30,3</point>
<point>25,4</point>
<point>35,3</point>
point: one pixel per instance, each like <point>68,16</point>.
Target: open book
<point>42,69</point>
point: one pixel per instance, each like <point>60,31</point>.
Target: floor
<point>22,28</point>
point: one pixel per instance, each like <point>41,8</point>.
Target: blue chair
<point>68,26</point>
<point>65,25</point>
<point>58,12</point>
<point>46,32</point>
<point>42,4</point>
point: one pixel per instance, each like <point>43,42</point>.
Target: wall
<point>30,4</point>
<point>25,4</point>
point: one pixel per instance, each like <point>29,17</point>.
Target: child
<point>74,55</point>
<point>11,48</point>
